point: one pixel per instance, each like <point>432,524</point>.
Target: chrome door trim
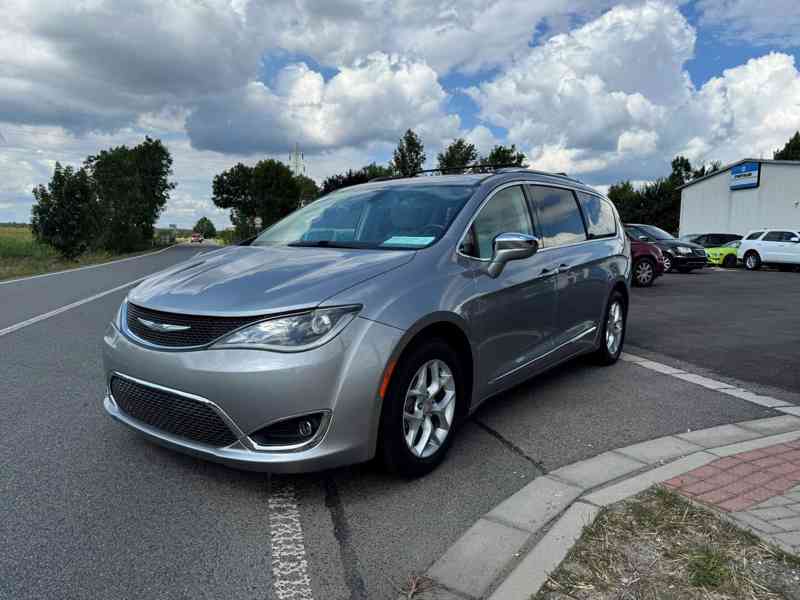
<point>240,435</point>
<point>620,227</point>
<point>548,353</point>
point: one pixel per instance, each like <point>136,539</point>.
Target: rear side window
<point>561,221</point>
<point>755,235</point>
<point>777,236</point>
<point>506,212</point>
<point>600,221</point>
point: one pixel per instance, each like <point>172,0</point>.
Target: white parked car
<point>779,247</point>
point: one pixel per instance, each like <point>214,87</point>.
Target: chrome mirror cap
<point>511,246</point>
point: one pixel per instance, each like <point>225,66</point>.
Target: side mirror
<point>795,240</point>
<point>511,246</point>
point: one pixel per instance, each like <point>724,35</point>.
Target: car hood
<point>251,280</point>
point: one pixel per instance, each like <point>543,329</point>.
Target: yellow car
<point>724,256</point>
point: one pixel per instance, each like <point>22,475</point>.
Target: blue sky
<point>603,90</point>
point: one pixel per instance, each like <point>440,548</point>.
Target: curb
<point>509,553</point>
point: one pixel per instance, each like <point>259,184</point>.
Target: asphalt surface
<point>88,509</point>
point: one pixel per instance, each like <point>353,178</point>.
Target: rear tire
<point>644,272</point>
<point>616,323</point>
<point>409,413</point>
<point>752,261</point>
<point>729,262</point>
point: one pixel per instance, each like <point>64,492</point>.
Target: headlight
<point>683,250</point>
<point>119,318</point>
<point>292,333</point>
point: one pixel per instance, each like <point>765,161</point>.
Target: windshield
<point>653,232</point>
<point>407,216</point>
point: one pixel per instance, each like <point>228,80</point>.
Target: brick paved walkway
<point>760,489</point>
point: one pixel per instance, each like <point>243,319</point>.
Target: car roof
<point>483,180</point>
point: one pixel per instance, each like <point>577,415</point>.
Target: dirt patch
<point>659,546</point>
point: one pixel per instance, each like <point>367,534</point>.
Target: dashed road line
<point>713,384</point>
<point>290,579</point>
<point>58,311</point>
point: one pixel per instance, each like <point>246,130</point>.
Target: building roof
<point>726,168</point>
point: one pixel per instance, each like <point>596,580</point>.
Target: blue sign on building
<point>744,176</point>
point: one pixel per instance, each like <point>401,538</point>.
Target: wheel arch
<point>454,330</point>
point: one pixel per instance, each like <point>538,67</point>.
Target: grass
<point>659,546</point>
<point>21,255</point>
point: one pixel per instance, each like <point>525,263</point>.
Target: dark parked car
<point>711,240</point>
<point>679,255</point>
<point>648,262</point>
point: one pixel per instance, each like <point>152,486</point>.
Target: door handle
<point>547,271</point>
<point>563,266</point>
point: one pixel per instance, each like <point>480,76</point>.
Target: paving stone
<point>748,519</point>
<point>768,461</point>
<point>535,504</point>
<point>716,496</point>
<point>791,410</point>
<point>779,485</point>
<point>751,445</point>
<point>598,470</point>
<point>681,481</point>
<point>712,384</point>
<point>777,512</point>
<point>773,425</point>
<point>767,401</point>
<point>743,469</point>
<point>776,501</point>
<point>785,468</point>
<point>791,524</point>
<point>655,451</point>
<point>735,504</point>
<point>531,573</point>
<point>638,483</point>
<point>471,564</point>
<point>722,435</point>
<point>791,538</point>
<point>758,495</point>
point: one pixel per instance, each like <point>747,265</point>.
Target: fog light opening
<point>291,433</point>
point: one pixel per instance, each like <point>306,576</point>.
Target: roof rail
<point>479,168</point>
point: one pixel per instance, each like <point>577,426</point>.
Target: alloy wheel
<point>644,273</point>
<point>429,408</point>
<point>751,261</point>
<point>614,326</point>
<point>667,262</point>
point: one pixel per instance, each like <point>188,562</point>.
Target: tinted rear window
<point>600,221</point>
<point>561,221</point>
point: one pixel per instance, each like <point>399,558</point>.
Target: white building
<point>749,194</point>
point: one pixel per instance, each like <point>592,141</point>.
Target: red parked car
<point>648,262</point>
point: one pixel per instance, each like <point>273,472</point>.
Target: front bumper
<point>254,388</point>
<point>688,261</point>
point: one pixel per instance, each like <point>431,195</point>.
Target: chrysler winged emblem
<point>162,327</point>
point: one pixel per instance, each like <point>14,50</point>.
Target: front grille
<point>699,252</point>
<point>202,330</point>
<point>171,413</point>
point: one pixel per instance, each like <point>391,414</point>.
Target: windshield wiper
<point>329,244</point>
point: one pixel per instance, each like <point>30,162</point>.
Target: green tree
<point>268,190</point>
<point>133,187</point>
<point>459,153</point>
<point>205,227</point>
<point>791,151</point>
<point>505,155</point>
<point>309,190</point>
<point>65,212</point>
<point>351,177</point>
<point>682,171</point>
<point>409,156</point>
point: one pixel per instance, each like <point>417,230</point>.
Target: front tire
<point>752,261</point>
<point>667,262</point>
<point>612,335</point>
<point>729,262</point>
<point>644,272</point>
<point>420,409</point>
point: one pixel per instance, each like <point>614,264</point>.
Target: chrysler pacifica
<point>370,322</point>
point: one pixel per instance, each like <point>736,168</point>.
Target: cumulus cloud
<point>374,100</point>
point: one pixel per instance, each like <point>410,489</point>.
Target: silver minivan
<point>371,322</point>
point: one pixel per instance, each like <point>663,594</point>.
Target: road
<point>90,510</point>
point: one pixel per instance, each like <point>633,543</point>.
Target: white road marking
<point>58,311</point>
<point>105,264</point>
<point>290,579</point>
<point>713,384</point>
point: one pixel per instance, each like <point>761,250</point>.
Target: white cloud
<point>773,23</point>
<point>374,100</point>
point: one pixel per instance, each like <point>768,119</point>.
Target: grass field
<point>22,255</point>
